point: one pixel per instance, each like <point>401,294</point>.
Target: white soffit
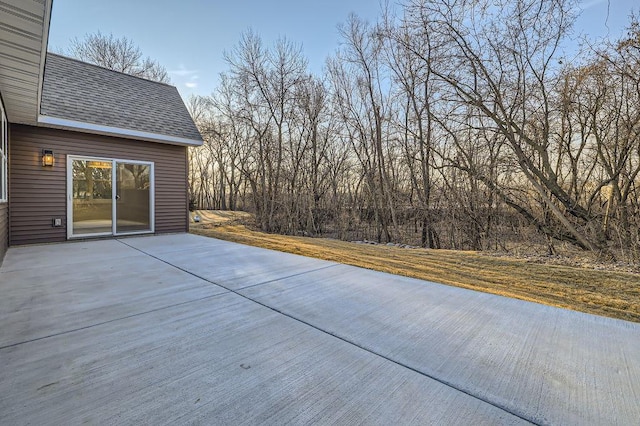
<point>24,30</point>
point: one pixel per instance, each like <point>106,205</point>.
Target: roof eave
<point>22,54</point>
<point>62,123</point>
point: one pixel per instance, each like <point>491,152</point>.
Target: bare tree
<point>415,117</point>
<point>360,89</point>
<point>118,54</point>
<point>265,83</point>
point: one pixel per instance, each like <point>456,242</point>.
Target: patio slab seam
<point>329,333</point>
<point>281,278</point>
<point>222,285</point>
<point>137,314</point>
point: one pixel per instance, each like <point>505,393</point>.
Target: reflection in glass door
<point>109,197</point>
<point>91,197</point>
<point>133,185</point>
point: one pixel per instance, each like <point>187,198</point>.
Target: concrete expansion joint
<point>283,278</point>
<point>110,321</point>
<point>222,285</point>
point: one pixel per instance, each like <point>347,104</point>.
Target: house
<point>86,151</point>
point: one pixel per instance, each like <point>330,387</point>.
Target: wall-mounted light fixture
<point>48,160</point>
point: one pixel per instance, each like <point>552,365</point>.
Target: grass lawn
<point>612,294</point>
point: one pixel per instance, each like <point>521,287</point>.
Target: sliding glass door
<point>109,197</point>
<point>133,185</point>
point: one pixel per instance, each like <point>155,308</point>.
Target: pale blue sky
<point>189,37</point>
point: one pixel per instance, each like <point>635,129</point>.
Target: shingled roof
<point>79,95</point>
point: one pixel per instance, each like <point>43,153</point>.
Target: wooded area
<point>454,124</point>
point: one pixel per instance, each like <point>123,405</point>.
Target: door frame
<point>114,162</point>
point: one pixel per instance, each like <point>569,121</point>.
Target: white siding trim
<point>46,24</point>
<point>115,131</point>
<point>4,147</point>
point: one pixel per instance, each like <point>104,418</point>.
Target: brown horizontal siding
<point>4,229</point>
<point>39,194</point>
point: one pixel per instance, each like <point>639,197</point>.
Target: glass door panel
<point>92,197</point>
<point>133,197</point>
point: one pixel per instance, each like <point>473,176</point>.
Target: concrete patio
<point>184,329</point>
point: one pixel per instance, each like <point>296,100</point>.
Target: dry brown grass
<point>612,294</point>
